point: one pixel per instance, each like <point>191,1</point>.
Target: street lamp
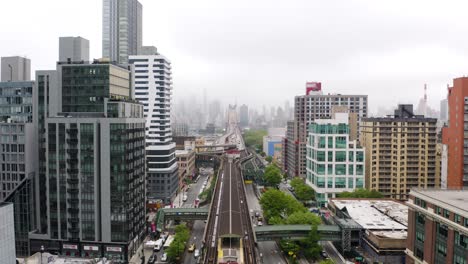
<point>42,247</point>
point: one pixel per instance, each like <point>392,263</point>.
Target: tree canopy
<point>272,175</point>
<point>302,191</point>
<point>254,138</point>
<point>361,193</point>
<point>177,247</point>
<point>277,204</point>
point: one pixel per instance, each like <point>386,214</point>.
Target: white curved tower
<point>153,88</point>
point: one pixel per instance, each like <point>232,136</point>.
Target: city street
<point>332,252</point>
<point>268,249</point>
<point>198,226</point>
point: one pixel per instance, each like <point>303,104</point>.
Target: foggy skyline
<point>263,52</point>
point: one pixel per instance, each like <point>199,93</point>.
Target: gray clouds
<point>262,52</point>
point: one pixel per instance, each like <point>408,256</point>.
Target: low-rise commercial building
<point>383,225</point>
<point>186,163</point>
<point>437,226</point>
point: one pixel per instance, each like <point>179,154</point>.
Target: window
<point>320,182</point>
<point>330,156</point>
<point>359,182</point>
<point>446,213</point>
<point>320,169</point>
<point>320,155</point>
<point>340,156</point>
<point>359,169</point>
<point>350,183</point>
<point>330,142</point>
<point>340,169</point>
<point>457,218</point>
<point>360,156</point>
<point>321,142</point>
<point>340,142</point>
<point>340,182</point>
<point>350,169</point>
<point>351,156</point>
<point>441,249</point>
<point>330,182</point>
<point>420,236</point>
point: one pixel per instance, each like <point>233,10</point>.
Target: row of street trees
<point>177,247</point>
<point>282,209</point>
<point>302,191</point>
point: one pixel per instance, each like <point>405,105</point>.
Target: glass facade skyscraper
<point>121,29</point>
<point>93,152</point>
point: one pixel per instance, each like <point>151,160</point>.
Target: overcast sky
<point>263,51</point>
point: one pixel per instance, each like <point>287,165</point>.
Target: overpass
<point>182,214</point>
<point>262,233</point>
<point>296,232</point>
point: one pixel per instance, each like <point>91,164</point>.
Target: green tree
<point>303,218</point>
<point>272,175</point>
<point>177,247</point>
<point>310,246</point>
<point>304,192</point>
<point>254,138</point>
<point>289,247</point>
<point>361,193</point>
<point>327,261</point>
<point>269,159</point>
<point>296,181</point>
<point>277,204</point>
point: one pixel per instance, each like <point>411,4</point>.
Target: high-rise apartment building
<point>74,49</point>
<point>17,135</point>
<point>401,153</point>
<point>335,164</point>
<point>15,68</point>
<point>316,105</point>
<point>121,29</point>
<point>153,88</point>
<point>454,134</point>
<point>244,115</point>
<point>91,163</point>
<point>437,227</point>
<point>18,157</point>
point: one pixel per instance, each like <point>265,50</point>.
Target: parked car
<point>164,257</point>
<point>191,248</point>
<point>196,254</point>
<point>257,214</point>
<point>260,218</point>
<point>324,254</point>
<point>152,259</point>
<point>259,223</point>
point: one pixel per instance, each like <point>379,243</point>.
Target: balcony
<point>73,230</point>
<point>72,141</point>
<point>73,191</point>
<point>72,180</point>
<point>72,171</point>
<point>73,200</point>
<point>72,151</point>
<point>73,210</point>
<point>72,131</point>
<point>72,160</point>
<point>74,220</point>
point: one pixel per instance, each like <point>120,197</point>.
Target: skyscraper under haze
<point>121,29</point>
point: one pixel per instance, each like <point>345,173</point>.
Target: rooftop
<point>449,198</point>
<point>376,214</point>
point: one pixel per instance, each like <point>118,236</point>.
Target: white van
<point>158,245</point>
<point>184,198</point>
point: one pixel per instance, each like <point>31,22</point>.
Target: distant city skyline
<point>393,47</point>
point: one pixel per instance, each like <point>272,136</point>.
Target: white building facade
<point>334,163</point>
<point>153,88</point>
